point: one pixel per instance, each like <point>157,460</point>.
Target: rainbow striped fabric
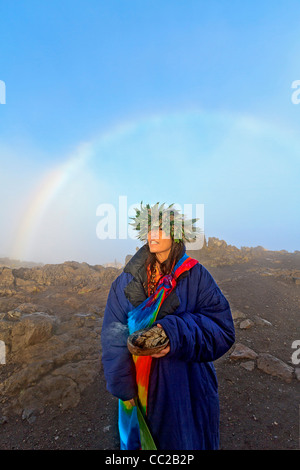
<point>143,316</point>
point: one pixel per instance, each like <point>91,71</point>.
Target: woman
<point>181,403</point>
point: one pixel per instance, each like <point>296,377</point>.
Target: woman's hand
<point>132,402</point>
<point>163,352</point>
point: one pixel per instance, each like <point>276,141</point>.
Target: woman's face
<point>158,241</point>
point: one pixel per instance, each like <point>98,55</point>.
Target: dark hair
<point>173,258</point>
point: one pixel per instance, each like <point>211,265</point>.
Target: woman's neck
<point>161,257</point>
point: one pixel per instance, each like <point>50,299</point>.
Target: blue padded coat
<point>183,402</point>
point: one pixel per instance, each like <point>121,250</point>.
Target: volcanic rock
<point>274,366</point>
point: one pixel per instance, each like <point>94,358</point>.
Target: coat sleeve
<point>205,334</point>
<point>118,365</point>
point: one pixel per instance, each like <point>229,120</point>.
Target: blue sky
<point>170,101</point>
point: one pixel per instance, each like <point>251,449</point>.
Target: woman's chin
<point>154,248</point>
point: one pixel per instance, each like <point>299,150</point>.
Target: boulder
<point>52,390</point>
<point>50,358</point>
<point>274,366</point>
<point>248,365</point>
<point>237,314</point>
<point>245,324</point>
<point>242,352</point>
<point>31,329</point>
<point>25,377</point>
<point>51,362</point>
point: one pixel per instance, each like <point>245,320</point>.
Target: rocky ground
<point>52,390</point>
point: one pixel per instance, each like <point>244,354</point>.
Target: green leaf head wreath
<point>169,219</point>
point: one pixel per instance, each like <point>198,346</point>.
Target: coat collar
<point>136,264</point>
<point>135,291</point>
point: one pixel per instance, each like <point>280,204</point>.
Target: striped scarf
<point>143,316</point>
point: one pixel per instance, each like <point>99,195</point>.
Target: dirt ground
<point>258,411</point>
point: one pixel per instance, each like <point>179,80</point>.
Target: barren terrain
<point>258,386</point>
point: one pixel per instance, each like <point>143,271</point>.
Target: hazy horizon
<point>120,260</point>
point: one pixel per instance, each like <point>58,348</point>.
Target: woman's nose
<point>154,234</point>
